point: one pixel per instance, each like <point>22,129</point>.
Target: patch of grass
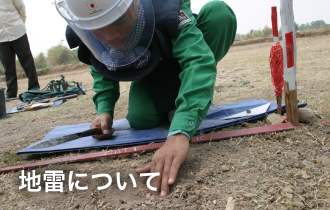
<point>266,189</point>
<point>258,184</point>
<point>220,179</point>
<point>11,159</point>
<point>237,163</point>
<point>326,114</point>
<point>121,179</point>
<point>231,140</point>
<point>286,174</point>
<point>25,194</point>
<point>289,206</point>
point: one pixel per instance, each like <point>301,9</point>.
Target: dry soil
<point>285,170</point>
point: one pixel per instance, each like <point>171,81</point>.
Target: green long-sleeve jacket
<point>197,79</point>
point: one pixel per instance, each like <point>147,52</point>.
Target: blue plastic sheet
<point>126,136</point>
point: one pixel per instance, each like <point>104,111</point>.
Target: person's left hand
<point>166,161</point>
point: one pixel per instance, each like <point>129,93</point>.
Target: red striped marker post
<point>276,63</point>
<point>290,60</point>
<point>274,25</point>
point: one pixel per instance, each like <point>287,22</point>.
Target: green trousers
<point>217,23</point>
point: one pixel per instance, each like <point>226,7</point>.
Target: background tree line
<point>57,55</point>
<point>267,31</point>
<point>61,55</point>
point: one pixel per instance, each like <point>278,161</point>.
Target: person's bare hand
<point>103,121</point>
<point>167,161</point>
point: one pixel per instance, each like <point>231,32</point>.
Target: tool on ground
<point>43,103</point>
<point>276,63</point>
<point>60,140</point>
<point>57,99</point>
<point>249,112</point>
<point>35,106</point>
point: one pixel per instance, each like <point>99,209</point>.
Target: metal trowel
<point>60,140</point>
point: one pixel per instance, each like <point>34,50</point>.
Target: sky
<point>46,28</point>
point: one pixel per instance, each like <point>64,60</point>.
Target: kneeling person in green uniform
<point>169,54</point>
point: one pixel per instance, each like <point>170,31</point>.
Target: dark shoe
<point>35,88</point>
<point>7,98</point>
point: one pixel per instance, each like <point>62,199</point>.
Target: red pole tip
<point>274,21</point>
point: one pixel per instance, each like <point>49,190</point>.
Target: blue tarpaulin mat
<point>126,136</point>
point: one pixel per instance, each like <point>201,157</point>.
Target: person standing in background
<point>14,41</point>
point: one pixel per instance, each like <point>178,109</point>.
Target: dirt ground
<point>284,170</point>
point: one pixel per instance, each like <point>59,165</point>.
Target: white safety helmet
<point>114,44</point>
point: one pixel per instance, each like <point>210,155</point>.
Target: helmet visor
<point>123,41</point>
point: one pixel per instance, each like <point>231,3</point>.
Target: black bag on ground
<point>61,85</point>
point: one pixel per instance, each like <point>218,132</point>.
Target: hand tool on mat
<point>60,140</point>
<point>35,106</point>
<point>45,103</point>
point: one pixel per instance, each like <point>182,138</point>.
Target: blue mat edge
<point>241,120</point>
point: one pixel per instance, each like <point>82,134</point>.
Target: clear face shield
<point>117,33</point>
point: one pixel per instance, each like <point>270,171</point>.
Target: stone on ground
<point>274,119</point>
<point>306,115</point>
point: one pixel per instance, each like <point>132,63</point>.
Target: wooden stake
<point>290,59</point>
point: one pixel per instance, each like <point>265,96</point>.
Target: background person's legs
<point>22,49</point>
<point>7,56</point>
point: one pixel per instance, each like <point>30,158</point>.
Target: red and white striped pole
<point>274,25</point>
<point>290,60</point>
<point>276,63</point>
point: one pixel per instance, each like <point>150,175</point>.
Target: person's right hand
<point>103,121</point>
